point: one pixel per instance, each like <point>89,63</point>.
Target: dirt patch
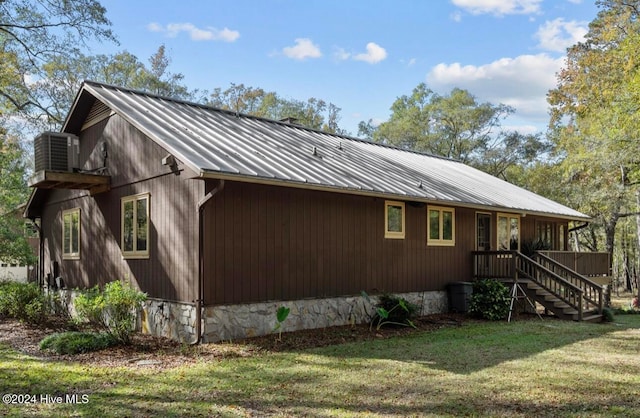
<point>149,351</point>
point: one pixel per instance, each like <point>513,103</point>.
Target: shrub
<point>607,315</point>
<point>490,300</point>
<point>392,310</point>
<point>74,342</point>
<point>22,301</point>
<point>113,309</point>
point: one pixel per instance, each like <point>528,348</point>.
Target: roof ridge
<point>261,119</point>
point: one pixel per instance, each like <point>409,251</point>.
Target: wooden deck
<point>560,289</point>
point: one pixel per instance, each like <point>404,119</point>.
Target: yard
<point>523,368</point>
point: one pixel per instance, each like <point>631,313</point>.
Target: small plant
<point>22,301</point>
<point>113,309</point>
<point>530,247</point>
<point>74,342</point>
<point>281,315</point>
<point>607,315</point>
<point>490,300</point>
<point>392,310</point>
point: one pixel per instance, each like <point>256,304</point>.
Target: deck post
<point>580,308</point>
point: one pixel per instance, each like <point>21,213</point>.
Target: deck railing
<point>590,264</point>
<point>567,285</point>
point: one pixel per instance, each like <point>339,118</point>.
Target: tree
<point>63,75</point>
<point>13,192</point>
<point>314,113</point>
<point>455,126</point>
<point>32,33</point>
<point>594,117</point>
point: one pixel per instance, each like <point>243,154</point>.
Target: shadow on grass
<point>454,372</point>
<point>471,348</point>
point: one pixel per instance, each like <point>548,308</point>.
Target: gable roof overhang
<point>222,144</point>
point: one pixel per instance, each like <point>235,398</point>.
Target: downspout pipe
<point>200,291</point>
<point>40,278</point>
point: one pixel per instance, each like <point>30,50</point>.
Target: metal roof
<point>223,144</point>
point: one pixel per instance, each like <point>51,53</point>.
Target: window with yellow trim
<point>71,234</point>
<point>508,232</point>
<point>441,226</point>
<point>394,220</point>
<point>135,226</point>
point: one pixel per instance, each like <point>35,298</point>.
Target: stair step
<point>592,318</point>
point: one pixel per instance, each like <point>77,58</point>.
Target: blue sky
<point>362,55</point>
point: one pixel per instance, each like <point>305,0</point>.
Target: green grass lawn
<point>528,368</point>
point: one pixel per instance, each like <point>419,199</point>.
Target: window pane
<point>503,234</point>
<point>447,225</point>
<point>394,218</point>
<point>127,233</point>
<point>434,224</point>
<point>66,233</point>
<point>75,232</point>
<point>141,225</point>
<point>513,234</point>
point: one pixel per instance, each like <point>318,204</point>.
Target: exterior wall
<point>268,243</point>
<point>535,226</point>
<point>134,163</point>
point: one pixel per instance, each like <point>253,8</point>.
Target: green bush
<point>393,310</point>
<point>74,342</point>
<point>22,301</point>
<point>490,300</point>
<point>607,315</point>
<point>113,309</point>
<point>89,306</point>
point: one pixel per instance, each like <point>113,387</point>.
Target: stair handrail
<point>592,291</point>
<point>575,302</point>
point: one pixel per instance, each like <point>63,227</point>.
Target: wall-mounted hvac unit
<point>56,151</point>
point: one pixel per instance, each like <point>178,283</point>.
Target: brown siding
<point>277,243</point>
<point>134,163</point>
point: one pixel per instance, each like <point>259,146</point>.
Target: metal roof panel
<point>211,140</point>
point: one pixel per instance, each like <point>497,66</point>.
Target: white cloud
<point>557,35</point>
<point>340,54</point>
<point>521,82</point>
<point>375,53</point>
<point>196,34</point>
<point>499,7</point>
<point>303,49</point>
<point>456,16</point>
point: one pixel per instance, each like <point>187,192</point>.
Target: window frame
<point>71,255</point>
<point>135,253</point>
<point>394,234</point>
<point>509,217</point>
<point>440,241</point>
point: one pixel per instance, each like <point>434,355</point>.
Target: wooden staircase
<point>560,290</point>
<point>552,303</point>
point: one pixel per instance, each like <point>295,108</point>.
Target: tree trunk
<point>638,229</point>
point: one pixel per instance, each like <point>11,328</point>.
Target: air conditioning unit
<point>56,151</point>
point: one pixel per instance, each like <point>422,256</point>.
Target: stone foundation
<point>173,320</point>
<point>177,321</point>
<point>228,322</point>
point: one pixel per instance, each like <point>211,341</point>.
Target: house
<point>221,218</point>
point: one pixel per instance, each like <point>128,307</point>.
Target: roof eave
<point>205,174</point>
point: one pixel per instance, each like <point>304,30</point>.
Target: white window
<point>394,219</point>
<point>71,234</point>
<point>135,226</point>
<point>441,226</point>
